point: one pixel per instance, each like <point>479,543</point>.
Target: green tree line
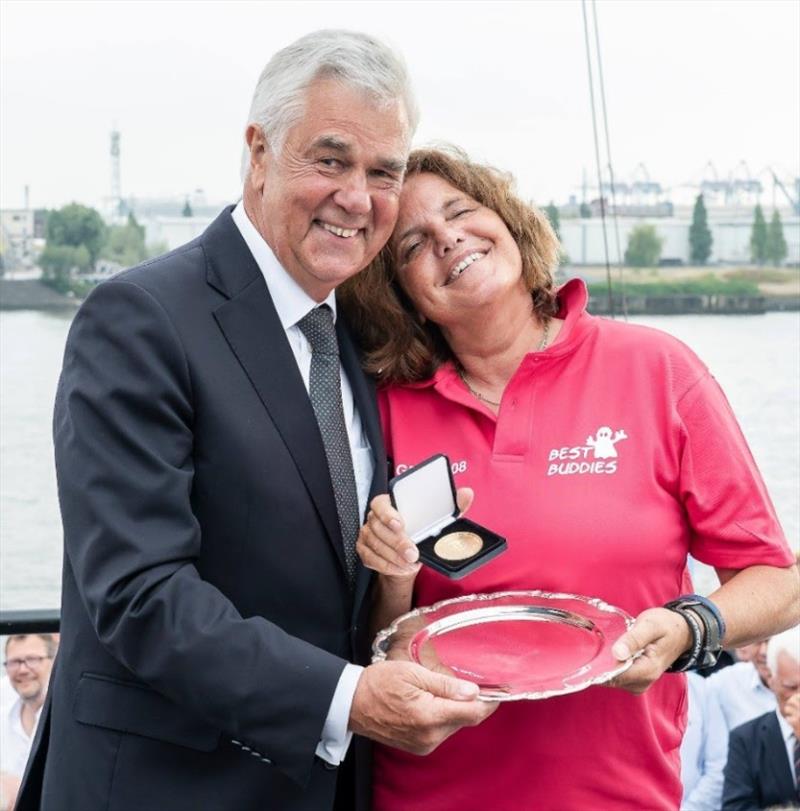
<point>767,243</point>
<point>77,238</point>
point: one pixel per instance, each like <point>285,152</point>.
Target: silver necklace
<point>463,375</point>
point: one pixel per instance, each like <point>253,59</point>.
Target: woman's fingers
<point>377,556</point>
<point>391,550</point>
<point>659,637</point>
<point>396,542</point>
<point>381,508</point>
<point>464,497</point>
<point>383,545</point>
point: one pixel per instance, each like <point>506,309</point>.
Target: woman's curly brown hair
<point>398,346</point>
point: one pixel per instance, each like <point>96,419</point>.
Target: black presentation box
<point>425,496</point>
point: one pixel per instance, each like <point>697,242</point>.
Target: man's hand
<point>662,635</point>
<point>406,706</point>
<point>791,712</point>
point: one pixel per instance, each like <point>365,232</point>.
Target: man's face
<point>28,677</point>
<point>759,660</point>
<point>327,202</point>
<point>785,682</point>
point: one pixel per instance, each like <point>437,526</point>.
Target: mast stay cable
<point>597,157</point>
<point>614,214</point>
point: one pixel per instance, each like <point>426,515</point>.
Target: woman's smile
<point>462,264</point>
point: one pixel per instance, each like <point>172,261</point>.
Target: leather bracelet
<point>712,624</point>
<point>704,601</point>
<point>689,659</point>
<point>712,646</point>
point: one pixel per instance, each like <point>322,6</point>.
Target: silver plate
<point>514,644</point>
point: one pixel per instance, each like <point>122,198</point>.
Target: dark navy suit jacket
<point>757,774</point>
<point>205,598</point>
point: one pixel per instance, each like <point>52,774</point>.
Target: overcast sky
<point>686,81</point>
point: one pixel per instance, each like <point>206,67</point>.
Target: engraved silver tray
<point>514,644</point>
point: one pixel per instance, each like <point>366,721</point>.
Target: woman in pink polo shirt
<point>604,452</point>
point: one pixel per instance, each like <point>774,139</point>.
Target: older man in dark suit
<point>216,446</point>
<point>764,754</point>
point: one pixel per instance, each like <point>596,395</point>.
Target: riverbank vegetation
<point>80,247</point>
<point>706,285</point>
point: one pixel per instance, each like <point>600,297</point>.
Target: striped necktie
<point>797,766</point>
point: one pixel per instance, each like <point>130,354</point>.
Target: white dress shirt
<point>704,750</point>
<point>15,743</point>
<point>292,303</point>
<point>787,733</point>
<point>741,694</point>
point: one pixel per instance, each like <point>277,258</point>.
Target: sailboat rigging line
<point>614,215</point>
<point>597,158</point>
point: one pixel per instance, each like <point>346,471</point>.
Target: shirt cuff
<point>336,737</point>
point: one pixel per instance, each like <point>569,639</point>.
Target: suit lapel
<point>365,401</point>
<point>256,336</point>
<point>775,761</point>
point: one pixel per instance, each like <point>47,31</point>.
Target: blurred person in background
<point>704,749</point>
<point>28,662</point>
<point>484,359</point>
<point>764,754</point>
<point>742,690</point>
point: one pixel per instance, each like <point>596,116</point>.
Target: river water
<point>755,358</point>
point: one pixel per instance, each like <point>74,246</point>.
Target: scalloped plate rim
<point>379,655</point>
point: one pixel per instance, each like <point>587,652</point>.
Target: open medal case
<point>425,496</point>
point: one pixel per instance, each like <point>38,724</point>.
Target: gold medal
<point>458,545</point>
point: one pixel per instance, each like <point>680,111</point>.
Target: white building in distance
<point>582,239</point>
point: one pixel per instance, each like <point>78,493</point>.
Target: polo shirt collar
<point>572,298</point>
<point>291,302</point>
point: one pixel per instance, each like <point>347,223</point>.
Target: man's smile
<point>344,233</point>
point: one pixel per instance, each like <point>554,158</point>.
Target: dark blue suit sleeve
<point>124,456</point>
<point>740,790</point>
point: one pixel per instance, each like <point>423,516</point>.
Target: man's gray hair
<point>786,642</point>
<point>355,59</point>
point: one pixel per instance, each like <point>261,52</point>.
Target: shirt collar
<point>15,714</point>
<point>755,679</point>
<point>290,300</point>
<point>786,730</point>
<point>572,299</point>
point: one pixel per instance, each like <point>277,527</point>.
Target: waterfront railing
<point>31,621</point>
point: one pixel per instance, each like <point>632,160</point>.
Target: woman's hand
<point>662,636</point>
<point>791,712</point>
<point>384,547</point>
<point>383,544</point>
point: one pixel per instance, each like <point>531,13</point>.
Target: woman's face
<point>452,254</point>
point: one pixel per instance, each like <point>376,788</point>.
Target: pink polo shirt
<point>614,454</point>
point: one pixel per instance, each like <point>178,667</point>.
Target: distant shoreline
<point>712,304</point>
<point>29,294</point>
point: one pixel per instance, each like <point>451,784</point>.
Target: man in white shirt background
<point>28,661</point>
<point>742,689</point>
<point>704,749</point>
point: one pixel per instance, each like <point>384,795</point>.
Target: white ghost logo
<point>604,443</point>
